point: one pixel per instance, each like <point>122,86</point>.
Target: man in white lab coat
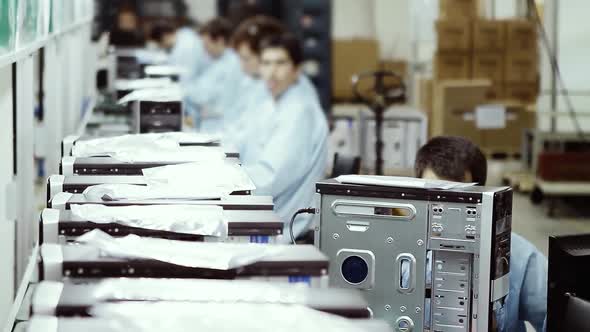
<point>287,144</point>
<point>252,90</point>
<point>214,90</point>
<point>185,47</point>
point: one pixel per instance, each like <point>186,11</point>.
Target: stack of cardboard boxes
<point>480,61</point>
<point>522,61</point>
<point>351,57</point>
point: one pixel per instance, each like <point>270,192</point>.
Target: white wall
<point>26,216</point>
<point>7,256</point>
<point>388,21</point>
<point>394,28</point>
<point>573,54</point>
<point>353,19</point>
<point>202,10</point>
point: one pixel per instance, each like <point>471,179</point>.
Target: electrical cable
<point>300,211</point>
<point>555,68</point>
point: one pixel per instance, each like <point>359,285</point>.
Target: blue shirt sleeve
<point>533,295</point>
<point>279,159</point>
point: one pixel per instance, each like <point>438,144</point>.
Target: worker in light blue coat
<point>252,91</point>
<point>185,48</point>
<point>287,144</point>
<point>457,159</point>
<point>216,88</point>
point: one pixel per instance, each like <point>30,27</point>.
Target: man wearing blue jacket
<point>185,48</point>
<point>457,159</point>
<point>215,89</point>
<point>287,143</point>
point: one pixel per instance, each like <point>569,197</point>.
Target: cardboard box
<point>522,67</point>
<point>452,66</point>
<point>489,35</point>
<point>351,57</point>
<point>458,9</point>
<point>509,139</point>
<point>496,92</point>
<point>521,35</point>
<point>488,66</point>
<point>454,105</point>
<point>522,92</point>
<point>399,67</point>
<point>453,35</point>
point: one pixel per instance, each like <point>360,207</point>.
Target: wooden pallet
<point>521,181</point>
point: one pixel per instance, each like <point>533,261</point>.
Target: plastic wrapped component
<point>169,259</point>
<point>243,226</point>
<point>218,174</point>
<point>206,180</point>
<point>169,93</point>
<point>186,154</point>
<point>7,25</point>
<point>283,319</point>
<point>122,192</point>
<point>219,256</point>
<point>187,219</point>
<point>165,70</point>
<point>63,201</point>
<point>228,317</point>
<point>106,146</point>
<point>75,299</point>
<point>221,291</point>
<point>46,298</point>
<point>142,83</point>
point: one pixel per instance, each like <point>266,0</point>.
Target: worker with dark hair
<point>252,91</point>
<point>451,158</point>
<point>216,34</point>
<point>185,48</point>
<point>127,31</point>
<point>247,38</point>
<point>287,142</point>
<point>458,159</point>
<point>216,88</point>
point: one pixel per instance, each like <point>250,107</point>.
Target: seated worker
<point>185,48</point>
<point>457,159</point>
<point>127,31</point>
<point>287,144</point>
<point>246,42</point>
<point>214,90</point>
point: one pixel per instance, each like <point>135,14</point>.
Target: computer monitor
<point>568,289</point>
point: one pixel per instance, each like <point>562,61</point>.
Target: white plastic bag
<point>142,83</point>
<point>163,94</point>
<point>182,316</point>
<point>199,290</point>
<point>178,155</point>
<point>148,147</point>
<point>217,175</point>
<point>118,192</point>
<point>208,255</point>
<point>204,220</point>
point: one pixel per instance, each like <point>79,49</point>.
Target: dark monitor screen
<point>569,266</point>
